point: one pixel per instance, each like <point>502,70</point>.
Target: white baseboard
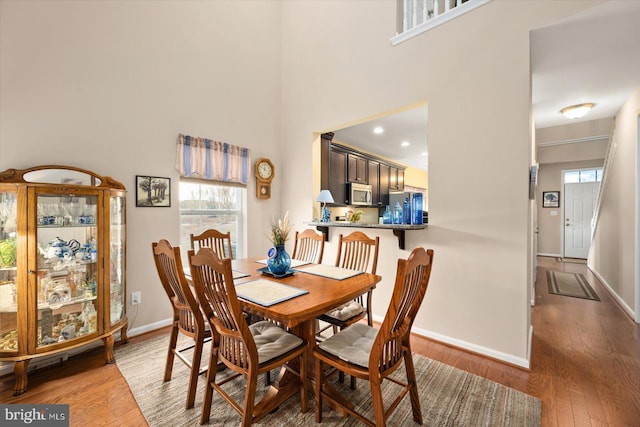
<point>484,351</point>
<point>148,328</point>
<point>550,255</point>
<point>625,307</point>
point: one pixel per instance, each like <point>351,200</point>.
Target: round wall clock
<point>265,172</point>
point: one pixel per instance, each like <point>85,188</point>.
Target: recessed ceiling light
<point>378,130</point>
<point>424,153</point>
<point>405,144</point>
<point>577,111</point>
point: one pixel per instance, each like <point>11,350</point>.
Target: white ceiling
<point>593,56</point>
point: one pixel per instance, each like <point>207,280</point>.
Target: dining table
<point>315,293</point>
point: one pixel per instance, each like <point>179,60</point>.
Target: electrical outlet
<point>136,298</point>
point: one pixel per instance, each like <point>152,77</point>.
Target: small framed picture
<point>550,199</point>
<point>153,191</point>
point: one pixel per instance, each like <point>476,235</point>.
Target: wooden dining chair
<point>187,318</point>
<point>356,252</point>
<point>372,354</point>
<point>308,246</point>
<point>219,242</point>
<point>247,350</point>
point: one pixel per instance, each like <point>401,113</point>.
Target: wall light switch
<point>554,213</point>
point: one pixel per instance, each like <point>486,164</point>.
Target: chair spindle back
<point>219,242</point>
<point>358,252</point>
<point>213,281</point>
<point>412,279</point>
<point>171,273</point>
<point>309,246</point>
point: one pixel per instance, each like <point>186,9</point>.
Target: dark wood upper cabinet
<point>396,178</point>
<point>338,176</point>
<point>374,181</point>
<point>356,169</point>
<point>384,183</point>
<point>341,165</point>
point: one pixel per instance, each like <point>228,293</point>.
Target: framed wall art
<point>153,191</point>
<point>550,199</point>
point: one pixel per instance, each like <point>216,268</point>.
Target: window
<point>583,175</point>
<point>204,206</point>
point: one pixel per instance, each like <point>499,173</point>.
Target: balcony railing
<point>417,16</point>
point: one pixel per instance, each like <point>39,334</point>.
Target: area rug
<point>448,396</point>
<point>570,284</point>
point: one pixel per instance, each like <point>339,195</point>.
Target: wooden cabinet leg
<point>20,372</point>
<point>108,349</point>
<point>123,334</point>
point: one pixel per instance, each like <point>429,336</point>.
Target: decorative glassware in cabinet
<point>67,236</point>
<point>8,289</point>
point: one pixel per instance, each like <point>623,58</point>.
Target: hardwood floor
<point>585,366</point>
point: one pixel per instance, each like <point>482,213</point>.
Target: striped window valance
<point>208,159</point>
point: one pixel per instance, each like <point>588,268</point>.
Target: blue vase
<point>278,260</point>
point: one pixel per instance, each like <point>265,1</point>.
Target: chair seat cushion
<point>272,341</point>
<point>352,344</point>
<point>346,311</point>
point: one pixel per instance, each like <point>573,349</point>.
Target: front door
<point>579,203</point>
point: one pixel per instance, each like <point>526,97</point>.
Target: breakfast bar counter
<point>398,229</point>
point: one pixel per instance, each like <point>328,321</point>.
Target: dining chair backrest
<point>171,273</point>
<point>187,317</point>
<point>213,282</point>
<point>219,242</point>
<point>309,246</point>
<point>351,351</point>
<point>412,280</point>
<point>235,346</point>
<point>358,252</point>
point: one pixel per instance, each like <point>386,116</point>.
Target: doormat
<point>570,284</point>
<point>572,260</point>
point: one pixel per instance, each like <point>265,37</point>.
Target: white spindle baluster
<point>436,6</point>
<point>405,15</point>
<point>447,3</point>
<point>425,15</point>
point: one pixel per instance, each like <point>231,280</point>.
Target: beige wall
<point>478,204</point>
<point>614,253</point>
<point>578,152</point>
<point>575,131</point>
<point>108,86</point>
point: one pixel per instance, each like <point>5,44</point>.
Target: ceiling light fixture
<point>577,111</point>
<point>405,144</point>
<point>378,130</point>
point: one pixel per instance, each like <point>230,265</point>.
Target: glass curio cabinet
<point>62,264</point>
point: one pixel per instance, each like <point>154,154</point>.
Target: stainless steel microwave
<point>359,194</point>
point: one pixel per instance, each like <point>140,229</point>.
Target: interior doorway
<point>580,193</point>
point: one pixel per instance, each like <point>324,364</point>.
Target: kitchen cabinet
<point>356,169</point>
<point>396,178</point>
<point>341,165</point>
<point>62,263</point>
<point>374,181</point>
<point>338,176</point>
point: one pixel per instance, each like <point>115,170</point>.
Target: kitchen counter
<point>398,229</point>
